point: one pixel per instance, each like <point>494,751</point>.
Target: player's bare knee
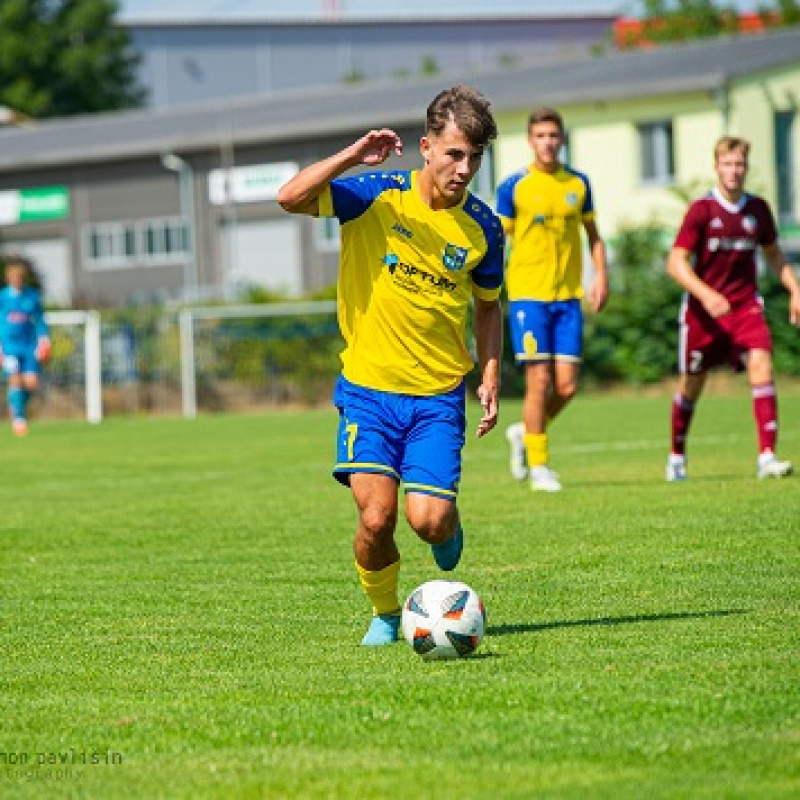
<point>433,523</point>
<point>566,391</point>
<point>377,521</point>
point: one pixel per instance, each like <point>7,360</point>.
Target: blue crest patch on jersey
<point>391,261</point>
<point>572,198</point>
<point>454,258</point>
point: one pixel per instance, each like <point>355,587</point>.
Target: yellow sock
<point>536,449</point>
<point>381,588</point>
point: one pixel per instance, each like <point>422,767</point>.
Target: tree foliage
<point>687,19</point>
<point>683,20</point>
<point>64,57</point>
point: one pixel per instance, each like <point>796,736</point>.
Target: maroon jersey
<point>723,238</point>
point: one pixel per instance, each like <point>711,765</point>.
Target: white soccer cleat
<point>544,479</point>
<point>676,468</point>
<point>516,440</point>
<point>770,466</point>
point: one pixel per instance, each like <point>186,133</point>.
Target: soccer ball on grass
<point>444,620</point>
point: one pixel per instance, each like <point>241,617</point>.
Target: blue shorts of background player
<point>413,439</point>
<point>544,330</point>
<point>21,363</point>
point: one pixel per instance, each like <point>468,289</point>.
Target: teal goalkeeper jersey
<point>406,277</point>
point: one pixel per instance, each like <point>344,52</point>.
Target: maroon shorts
<point>706,342</point>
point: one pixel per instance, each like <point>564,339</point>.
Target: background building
<point>141,206</point>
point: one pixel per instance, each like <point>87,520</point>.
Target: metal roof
<point>699,66</point>
<point>421,19</point>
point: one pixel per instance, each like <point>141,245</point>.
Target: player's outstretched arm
<point>489,342</point>
<point>777,263</point>
<point>680,269</point>
<point>300,194</point>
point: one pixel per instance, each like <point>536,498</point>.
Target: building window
<point>114,245</point>
<point>785,165</point>
<point>657,152</point>
<point>164,240</point>
<point>110,245</point>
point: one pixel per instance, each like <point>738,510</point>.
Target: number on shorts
<point>695,360</point>
<point>352,432</point>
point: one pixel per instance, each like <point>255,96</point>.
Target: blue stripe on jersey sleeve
<point>352,196</point>
<point>588,203</point>
<point>489,273</point>
<point>505,194</point>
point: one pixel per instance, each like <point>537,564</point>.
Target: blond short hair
<point>731,144</point>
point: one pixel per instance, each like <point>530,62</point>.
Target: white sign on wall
<point>9,208</point>
<point>254,184</point>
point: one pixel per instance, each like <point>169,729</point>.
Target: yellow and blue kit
<point>544,214</point>
<point>406,277</point>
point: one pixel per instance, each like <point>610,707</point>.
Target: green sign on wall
<point>34,205</point>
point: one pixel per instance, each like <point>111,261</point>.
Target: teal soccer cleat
<point>384,629</point>
<point>448,554</point>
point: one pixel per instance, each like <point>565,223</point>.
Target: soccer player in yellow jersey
<point>542,208</point>
<point>416,249</point>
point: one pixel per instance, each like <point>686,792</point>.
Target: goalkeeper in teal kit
<point>24,339</point>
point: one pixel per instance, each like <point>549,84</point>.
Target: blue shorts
<point>22,363</point>
<point>417,440</point>
<point>546,330</point>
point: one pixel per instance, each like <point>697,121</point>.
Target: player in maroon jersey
<point>722,318</point>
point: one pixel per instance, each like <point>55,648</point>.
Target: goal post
<point>188,317</point>
<point>91,354</point>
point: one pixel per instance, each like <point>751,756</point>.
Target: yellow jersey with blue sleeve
<point>406,277</point>
<point>544,214</point>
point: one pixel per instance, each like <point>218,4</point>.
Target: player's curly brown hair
<point>468,109</point>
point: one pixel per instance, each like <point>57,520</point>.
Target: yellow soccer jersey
<point>406,276</point>
<point>544,214</point>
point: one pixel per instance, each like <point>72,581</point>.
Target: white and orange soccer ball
<point>444,620</point>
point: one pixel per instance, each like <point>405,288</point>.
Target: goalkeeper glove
<point>43,350</point>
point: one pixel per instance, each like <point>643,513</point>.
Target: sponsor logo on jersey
<point>414,279</point>
<point>454,258</point>
<point>716,223</point>
<point>727,243</point>
<point>750,224</point>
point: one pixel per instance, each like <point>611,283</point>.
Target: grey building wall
<point>193,62</point>
<point>138,190</point>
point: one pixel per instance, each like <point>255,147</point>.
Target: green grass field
<point>178,603</point>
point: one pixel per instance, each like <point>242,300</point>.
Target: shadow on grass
<point>532,627</point>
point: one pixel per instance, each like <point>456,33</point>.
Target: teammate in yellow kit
<point>542,208</point>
